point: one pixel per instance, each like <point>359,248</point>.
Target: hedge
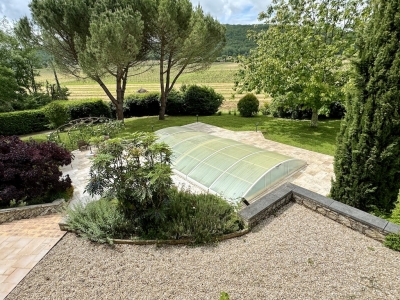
<point>30,121</point>
<point>22,122</point>
<point>139,105</point>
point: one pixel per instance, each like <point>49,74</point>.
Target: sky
<point>226,11</point>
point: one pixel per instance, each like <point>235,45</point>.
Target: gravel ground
<point>297,254</point>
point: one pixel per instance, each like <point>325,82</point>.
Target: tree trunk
<point>314,118</point>
<point>120,99</point>
<point>163,105</point>
<point>161,115</point>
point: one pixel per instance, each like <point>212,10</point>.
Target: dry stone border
<point>358,220</point>
<point>31,211</point>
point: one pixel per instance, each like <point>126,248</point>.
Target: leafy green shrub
<point>23,122</point>
<point>201,100</point>
<point>29,171</point>
<point>99,221</point>
<point>176,105</point>
<point>266,109</point>
<point>201,217</point>
<point>137,172</point>
<point>86,108</point>
<point>57,114</point>
<point>139,105</point>
<point>281,107</point>
<point>392,241</point>
<point>248,105</point>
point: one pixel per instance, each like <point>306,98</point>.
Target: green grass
<point>291,132</point>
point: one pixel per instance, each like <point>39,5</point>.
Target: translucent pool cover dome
<point>228,168</point>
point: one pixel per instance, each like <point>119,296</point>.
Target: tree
<point>367,159</point>
<point>98,38</point>
<point>186,41</point>
<point>299,58</point>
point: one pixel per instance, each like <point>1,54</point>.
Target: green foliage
<point>237,42</point>
<point>188,41</point>
<point>248,105</point>
<point>23,122</point>
<point>136,172</point>
<point>266,110</point>
<point>201,217</point>
<point>140,104</point>
<point>175,104</point>
<point>57,114</point>
<point>99,221</point>
<point>392,241</point>
<point>300,56</point>
<point>201,100</point>
<point>367,160</point>
<point>100,38</point>
<point>8,89</point>
<point>224,296</point>
<point>86,108</point>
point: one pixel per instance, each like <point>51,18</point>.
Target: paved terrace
<point>24,243</point>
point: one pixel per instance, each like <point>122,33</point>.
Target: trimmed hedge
<point>86,108</point>
<point>30,121</point>
<point>23,122</point>
<point>139,105</point>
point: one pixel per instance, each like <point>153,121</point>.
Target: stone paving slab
<point>315,177</point>
<point>23,244</point>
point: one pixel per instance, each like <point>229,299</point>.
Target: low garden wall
<point>351,217</point>
<point>31,211</point>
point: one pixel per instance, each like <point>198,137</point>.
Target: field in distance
<point>219,76</point>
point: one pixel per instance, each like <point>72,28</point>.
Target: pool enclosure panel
<point>229,168</point>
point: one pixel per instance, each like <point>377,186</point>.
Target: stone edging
<point>31,211</point>
<point>351,217</point>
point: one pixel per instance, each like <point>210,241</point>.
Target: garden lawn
<point>297,133</point>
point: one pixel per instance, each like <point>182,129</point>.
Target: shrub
<point>139,105</point>
<point>29,171</point>
<point>86,108</point>
<point>136,172</point>
<point>176,105</point>
<point>248,105</point>
<point>201,217</point>
<point>280,107</point>
<point>57,114</point>
<point>266,109</point>
<point>23,122</point>
<point>36,100</point>
<point>201,100</point>
<point>392,241</point>
<point>99,221</point>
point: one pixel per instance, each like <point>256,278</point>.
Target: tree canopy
<point>97,38</point>
<point>187,40</point>
<point>300,58</point>
<point>367,159</point>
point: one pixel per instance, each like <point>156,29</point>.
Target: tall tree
<point>98,38</point>
<point>367,159</point>
<point>186,40</point>
<point>299,58</point>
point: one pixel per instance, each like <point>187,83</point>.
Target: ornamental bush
<point>29,171</point>
<point>57,114</point>
<point>201,100</point>
<point>248,105</point>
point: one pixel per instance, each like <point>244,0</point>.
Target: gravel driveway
<point>297,254</point>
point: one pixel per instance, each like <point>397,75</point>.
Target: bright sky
<point>226,11</point>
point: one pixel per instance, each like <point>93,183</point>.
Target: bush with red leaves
<point>29,171</point>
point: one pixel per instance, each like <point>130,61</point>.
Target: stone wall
<point>31,211</point>
<point>351,217</point>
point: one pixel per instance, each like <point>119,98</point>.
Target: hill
<point>237,42</point>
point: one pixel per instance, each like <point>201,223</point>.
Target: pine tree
<point>367,160</point>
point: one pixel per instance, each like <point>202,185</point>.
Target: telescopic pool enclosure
<point>225,167</point>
